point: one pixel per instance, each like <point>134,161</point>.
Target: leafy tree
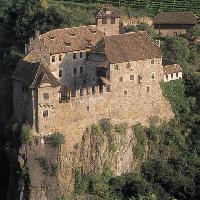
<point>56,139</point>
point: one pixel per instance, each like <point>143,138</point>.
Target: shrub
<point>121,128</point>
<point>139,151</point>
<point>105,125</point>
<point>95,129</point>
<point>81,182</point>
<point>140,134</point>
<point>48,168</point>
<point>26,133</point>
<point>55,139</point>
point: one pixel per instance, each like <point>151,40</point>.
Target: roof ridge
<point>68,28</point>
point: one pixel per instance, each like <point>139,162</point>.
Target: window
<point>176,75</point>
<point>132,77</point>
<point>81,70</point>
<point>45,96</point>
<point>152,61</point>
<point>60,57</point>
<point>74,70</point>
<point>166,76</point>
<point>140,79</point>
<point>75,83</point>
<point>53,59</point>
<point>152,76</point>
<point>128,66</point>
<point>45,113</point>
<point>104,21</point>
<point>81,54</point>
<point>108,88</point>
<point>116,67</point>
<point>60,72</point>
<point>112,20</point>
<point>74,55</point>
<point>93,90</point>
<point>88,108</point>
<point>171,75</point>
<point>84,82</point>
<point>121,79</point>
<point>125,92</point>
<point>147,89</point>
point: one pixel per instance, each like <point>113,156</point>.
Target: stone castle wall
<point>108,28</point>
<point>129,101</point>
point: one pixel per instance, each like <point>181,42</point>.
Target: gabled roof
<point>129,47</point>
<point>71,39</point>
<point>44,76</point>
<point>108,11</point>
<point>171,69</point>
<point>33,70</point>
<point>175,18</point>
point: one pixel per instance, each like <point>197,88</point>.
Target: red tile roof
<point>175,18</point>
<point>108,11</point>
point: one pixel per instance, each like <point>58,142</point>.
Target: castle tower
<point>108,20</point>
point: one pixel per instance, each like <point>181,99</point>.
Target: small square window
<point>45,113</point>
<point>74,70</point>
<point>45,96</point>
<point>104,21</point>
<point>81,54</point>
<point>147,89</point>
<point>60,57</point>
<point>53,59</point>
<point>125,92</point>
<point>152,61</point>
<point>60,72</point>
<point>128,66</point>
<point>120,79</point>
<point>112,20</point>
<point>74,55</point>
<point>132,77</point>
<point>81,70</point>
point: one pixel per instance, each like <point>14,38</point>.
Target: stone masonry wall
<point>108,28</point>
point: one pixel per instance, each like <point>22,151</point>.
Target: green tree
<point>56,139</point>
<point>26,133</point>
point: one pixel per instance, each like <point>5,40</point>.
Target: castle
<point>72,77</point>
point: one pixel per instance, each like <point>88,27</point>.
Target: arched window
<point>116,67</point>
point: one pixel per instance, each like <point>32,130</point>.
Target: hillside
<point>150,7</point>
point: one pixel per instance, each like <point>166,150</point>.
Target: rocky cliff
<point>100,144</point>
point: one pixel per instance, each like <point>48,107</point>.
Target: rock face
<point>90,154</point>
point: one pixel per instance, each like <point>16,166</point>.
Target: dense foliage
<point>55,140</point>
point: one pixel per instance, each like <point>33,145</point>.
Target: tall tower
<point>108,20</point>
